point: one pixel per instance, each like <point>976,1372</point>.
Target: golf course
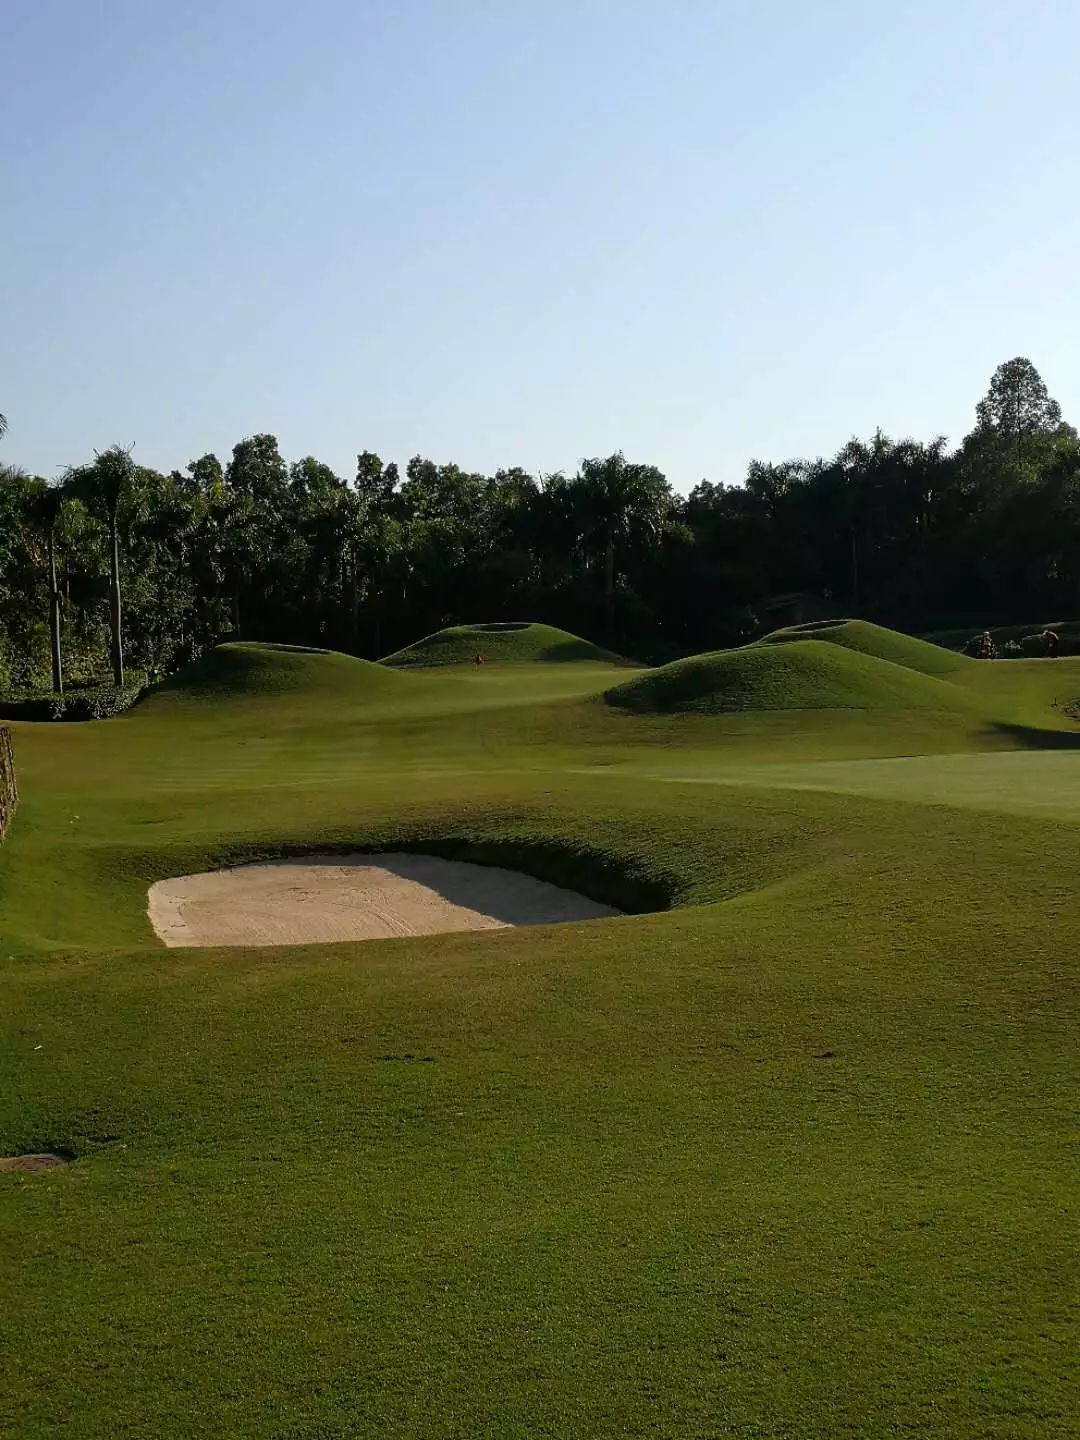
<point>780,1150</point>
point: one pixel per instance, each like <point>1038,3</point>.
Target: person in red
<point>1053,643</point>
<point>479,659</point>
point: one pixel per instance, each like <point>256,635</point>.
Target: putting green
<point>785,1153</point>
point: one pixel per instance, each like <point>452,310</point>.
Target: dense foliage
<point>908,532</point>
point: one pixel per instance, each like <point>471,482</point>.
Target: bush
<point>976,648</point>
<point>85,702</point>
<point>1034,645</point>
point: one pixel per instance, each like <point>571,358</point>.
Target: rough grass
<point>797,675</point>
<point>507,643</point>
<point>788,1159</point>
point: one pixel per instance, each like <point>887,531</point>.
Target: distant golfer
<point>478,659</point>
<point>1053,643</point>
<point>986,646</point>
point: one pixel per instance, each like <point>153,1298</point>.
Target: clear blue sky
<point>520,233</point>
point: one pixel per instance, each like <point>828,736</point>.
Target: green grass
<point>865,638</point>
<point>505,643</point>
<point>789,1158</point>
<point>797,675</point>
<point>244,670</point>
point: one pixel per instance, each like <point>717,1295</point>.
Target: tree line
<point>114,563</point>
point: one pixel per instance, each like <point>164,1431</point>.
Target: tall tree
<point>107,486</point>
<point>625,502</point>
<point>256,483</point>
<point>1017,407</point>
<point>50,504</point>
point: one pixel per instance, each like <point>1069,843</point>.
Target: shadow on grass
<point>569,650</point>
<point>509,895</point>
<point>609,879</point>
<point>1033,737</point>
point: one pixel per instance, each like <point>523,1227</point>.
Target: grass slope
<point>865,638</point>
<point>789,1159</point>
<point>508,643</point>
<point>244,670</point>
<point>798,675</point>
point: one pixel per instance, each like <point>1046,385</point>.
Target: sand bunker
<point>318,899</point>
<point>32,1164</point>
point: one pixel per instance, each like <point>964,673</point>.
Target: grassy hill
<point>865,638</point>
<point>785,1156</point>
<point>505,643</point>
<point>796,675</point>
<point>246,670</point>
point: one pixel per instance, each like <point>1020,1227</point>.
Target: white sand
<point>321,898</point>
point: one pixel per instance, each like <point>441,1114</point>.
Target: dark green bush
<point>84,702</point>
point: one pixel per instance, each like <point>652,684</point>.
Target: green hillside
<point>506,643</point>
<point>249,670</point>
<point>868,639</point>
<point>796,675</point>
<point>782,1152</point>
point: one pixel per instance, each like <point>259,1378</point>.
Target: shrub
<point>1034,645</point>
<point>975,647</point>
<point>85,702</point>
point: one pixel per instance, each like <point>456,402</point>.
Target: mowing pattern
<point>508,643</point>
<point>790,1160</point>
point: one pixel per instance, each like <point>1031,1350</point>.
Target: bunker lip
<point>35,1161</point>
<point>321,899</point>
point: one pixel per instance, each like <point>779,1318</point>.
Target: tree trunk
<point>236,608</point>
<point>854,569</point>
<point>609,585</point>
<point>54,618</point>
<point>355,599</point>
<point>114,602</point>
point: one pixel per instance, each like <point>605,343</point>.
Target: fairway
<point>1019,783</point>
<point>785,1150</point>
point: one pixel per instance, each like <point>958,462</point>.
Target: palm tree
<point>624,502</point>
<point>3,425</point>
<point>107,485</point>
<point>48,507</point>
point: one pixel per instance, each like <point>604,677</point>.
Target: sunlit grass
<point>786,1159</point>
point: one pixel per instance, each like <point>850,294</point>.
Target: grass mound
<point>799,675</point>
<point>245,669</point>
<point>511,642</point>
<point>868,639</point>
<point>788,1158</point>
